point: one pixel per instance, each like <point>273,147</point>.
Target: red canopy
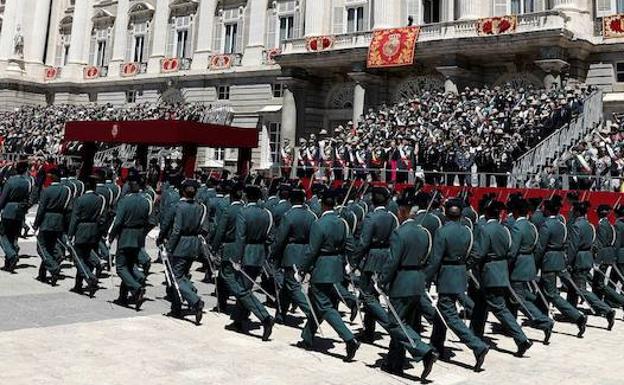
<point>162,133</point>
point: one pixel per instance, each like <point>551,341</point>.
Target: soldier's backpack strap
<point>270,221</point>
<point>202,217</point>
<point>69,197</point>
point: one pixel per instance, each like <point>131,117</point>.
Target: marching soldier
<point>289,250</point>
<point>551,260</point>
<point>14,204</point>
<point>582,236</point>
<point>253,226</point>
<point>189,223</point>
<point>370,255</point>
<point>85,230</point>
<point>492,249</point>
<point>605,258</point>
<point>129,228</point>
<point>451,250</point>
<point>49,222</point>
<point>523,271</point>
<point>225,241</point>
<point>404,277</point>
<point>619,243</point>
<point>330,241</point>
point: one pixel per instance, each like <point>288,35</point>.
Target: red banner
<point>392,47</point>
<point>497,25</point>
<point>613,26</point>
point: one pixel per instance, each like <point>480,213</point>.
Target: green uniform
<point>86,226</point>
<point>290,249</point>
<point>53,203</point>
<point>492,250</point>
<point>130,229</point>
<point>604,258</point>
<point>370,256</point>
<point>184,246</point>
<point>14,203</point>
<point>253,225</point>
<point>524,271</point>
<point>330,240</point>
<point>551,260</point>
<point>580,261</point>
<point>619,248</point>
<point>538,218</point>
<point>451,249</point>
<point>315,205</point>
<point>404,280</point>
<point>224,240</point>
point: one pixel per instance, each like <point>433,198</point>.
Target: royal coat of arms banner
<point>613,26</point>
<point>497,25</point>
<point>392,47</point>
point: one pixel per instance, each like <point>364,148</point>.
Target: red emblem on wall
<point>169,65</point>
<point>129,69</point>
<point>319,43</point>
<point>91,72</point>
<point>220,62</point>
<point>51,73</point>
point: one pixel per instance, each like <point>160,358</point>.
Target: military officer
<point>224,241</point>
<point>492,249</point>
<point>253,226</point>
<point>551,260</point>
<point>619,243</point>
<point>370,255</point>
<point>404,280</point>
<point>580,261</point>
<point>330,241</point>
<point>49,222</point>
<point>537,215</point>
<point>14,203</point>
<point>129,228</point>
<point>85,230</point>
<point>451,250</point>
<point>190,222</point>
<point>605,258</point>
<point>522,266</point>
<point>289,251</point>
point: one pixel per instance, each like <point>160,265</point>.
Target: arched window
<point>180,34</point>
<point>63,42</point>
<point>138,36</point>
<point>100,49</point>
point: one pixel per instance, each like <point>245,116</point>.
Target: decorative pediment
<point>141,11</point>
<point>65,25</point>
<point>183,7</point>
<point>103,18</point>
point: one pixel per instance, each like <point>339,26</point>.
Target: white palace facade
<point>254,56</point>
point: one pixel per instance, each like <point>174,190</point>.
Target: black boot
<point>267,325</point>
<point>611,320</point>
<point>199,311</point>
<point>480,358</point>
<point>352,347</point>
<point>582,325</point>
<point>428,360</point>
<point>139,298</point>
<point>523,347</point>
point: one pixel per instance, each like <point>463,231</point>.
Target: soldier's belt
<point>296,242</point>
<point>380,246</point>
<point>410,268</point>
<point>324,253</point>
<point>554,249</point>
<point>494,258</point>
<point>453,263</point>
<point>255,243</point>
<point>133,227</point>
<point>585,249</point>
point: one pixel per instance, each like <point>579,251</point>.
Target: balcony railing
<point>529,22</point>
<point>225,61</point>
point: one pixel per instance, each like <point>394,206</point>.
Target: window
<point>287,24</point>
<point>231,31</point>
<point>100,60</point>
<point>223,92</point>
<point>65,53</point>
<point>431,11</point>
<point>139,46</point>
<point>355,19</point>
<point>131,96</point>
<point>522,6</point>
<point>278,90</point>
<point>219,154</point>
<point>619,72</point>
<point>275,129</point>
<point>181,43</point>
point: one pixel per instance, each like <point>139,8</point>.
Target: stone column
<point>159,37</point>
<point>35,45</point>
<point>317,17</point>
<point>120,40</point>
<point>257,28</point>
<point>206,14</point>
<point>387,14</point>
<point>9,28</point>
<point>467,9</point>
<point>289,116</point>
<point>359,96</point>
<point>80,40</point>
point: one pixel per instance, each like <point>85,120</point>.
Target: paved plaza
<point>49,335</point>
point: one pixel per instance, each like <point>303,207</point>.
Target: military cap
<point>190,183</point>
<point>603,209</point>
<point>453,202</point>
<point>298,195</point>
<point>253,192</point>
<point>407,197</point>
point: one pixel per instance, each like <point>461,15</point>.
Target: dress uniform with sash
<point>370,255</point>
<point>184,246</point>
<point>523,269</point>
<point>224,241</point>
<point>129,228</point>
<point>14,203</point>
<point>450,253</point>
<point>253,226</point>
<point>49,221</point>
<point>582,235</point>
<point>404,279</point>
<point>86,227</point>
<point>605,258</point>
<point>550,256</point>
<point>290,249</point>
<point>330,242</point>
<point>491,256</point>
